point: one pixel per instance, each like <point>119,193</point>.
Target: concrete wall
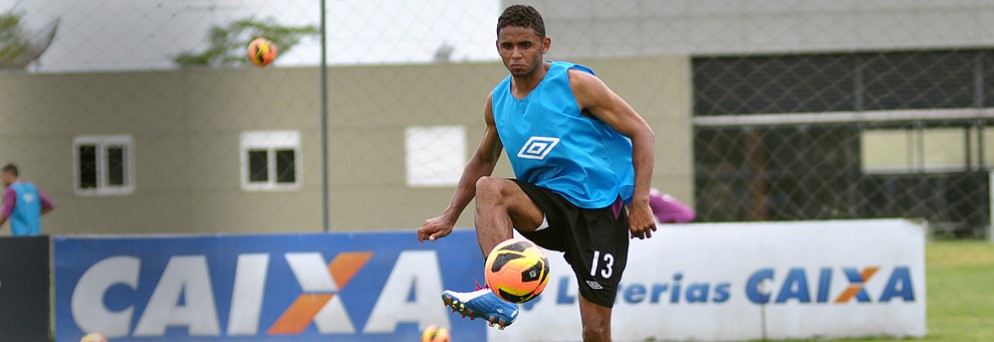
<point>186,126</point>
<point>694,27</point>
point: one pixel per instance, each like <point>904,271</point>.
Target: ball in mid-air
<point>93,337</point>
<point>261,52</point>
<point>435,334</point>
<point>517,270</point>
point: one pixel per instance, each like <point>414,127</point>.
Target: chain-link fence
<point>814,110</point>
<point>857,135</point>
<point>143,117</point>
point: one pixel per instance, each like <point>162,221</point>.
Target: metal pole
<point>325,192</point>
<point>990,206</point>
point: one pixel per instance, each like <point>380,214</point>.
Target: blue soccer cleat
<point>483,304</point>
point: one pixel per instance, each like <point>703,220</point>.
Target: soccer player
<point>23,204</point>
<point>579,153</point>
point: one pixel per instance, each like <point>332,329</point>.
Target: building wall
<point>702,27</point>
<point>186,126</point>
<point>43,113</point>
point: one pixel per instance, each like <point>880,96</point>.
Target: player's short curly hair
<point>521,16</point>
<point>10,168</point>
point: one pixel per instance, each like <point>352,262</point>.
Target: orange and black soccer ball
<point>261,52</point>
<point>517,270</point>
<point>435,334</point>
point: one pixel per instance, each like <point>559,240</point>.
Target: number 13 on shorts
<point>608,263</point>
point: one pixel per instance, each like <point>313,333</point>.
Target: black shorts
<point>594,241</point>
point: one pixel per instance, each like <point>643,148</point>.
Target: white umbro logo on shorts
<point>594,285</point>
<point>537,147</point>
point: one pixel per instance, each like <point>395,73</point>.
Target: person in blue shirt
<point>23,204</point>
<point>579,154</point>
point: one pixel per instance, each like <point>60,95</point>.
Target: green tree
<point>228,43</point>
<point>12,42</point>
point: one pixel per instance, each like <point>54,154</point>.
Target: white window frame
<point>103,142</point>
<point>271,141</point>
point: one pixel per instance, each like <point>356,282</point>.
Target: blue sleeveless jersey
<point>25,219</point>
<point>550,144</point>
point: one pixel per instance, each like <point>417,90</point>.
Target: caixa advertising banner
<point>745,281</point>
<point>303,287</point>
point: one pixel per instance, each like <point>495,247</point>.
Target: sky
<point>96,35</point>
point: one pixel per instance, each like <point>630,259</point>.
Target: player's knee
<point>489,189</point>
<point>596,327</point>
<point>595,333</point>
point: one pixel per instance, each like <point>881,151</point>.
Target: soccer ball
<point>93,337</point>
<point>517,270</point>
<point>435,334</point>
<point>261,52</point>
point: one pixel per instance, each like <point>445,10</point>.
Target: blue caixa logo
<point>801,286</point>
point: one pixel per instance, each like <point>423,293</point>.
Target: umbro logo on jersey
<point>537,147</point>
<point>594,285</point>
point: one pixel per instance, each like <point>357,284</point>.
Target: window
<point>104,165</point>
<point>944,149</point>
<point>888,151</point>
<point>270,160</point>
<point>773,84</point>
<point>436,155</point>
<point>817,83</point>
<point>909,150</point>
<point>921,79</point>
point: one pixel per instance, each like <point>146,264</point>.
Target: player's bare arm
<point>46,203</point>
<point>599,101</point>
<point>481,164</point>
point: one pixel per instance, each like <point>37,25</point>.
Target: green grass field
<point>960,289</point>
<point>960,280</point>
